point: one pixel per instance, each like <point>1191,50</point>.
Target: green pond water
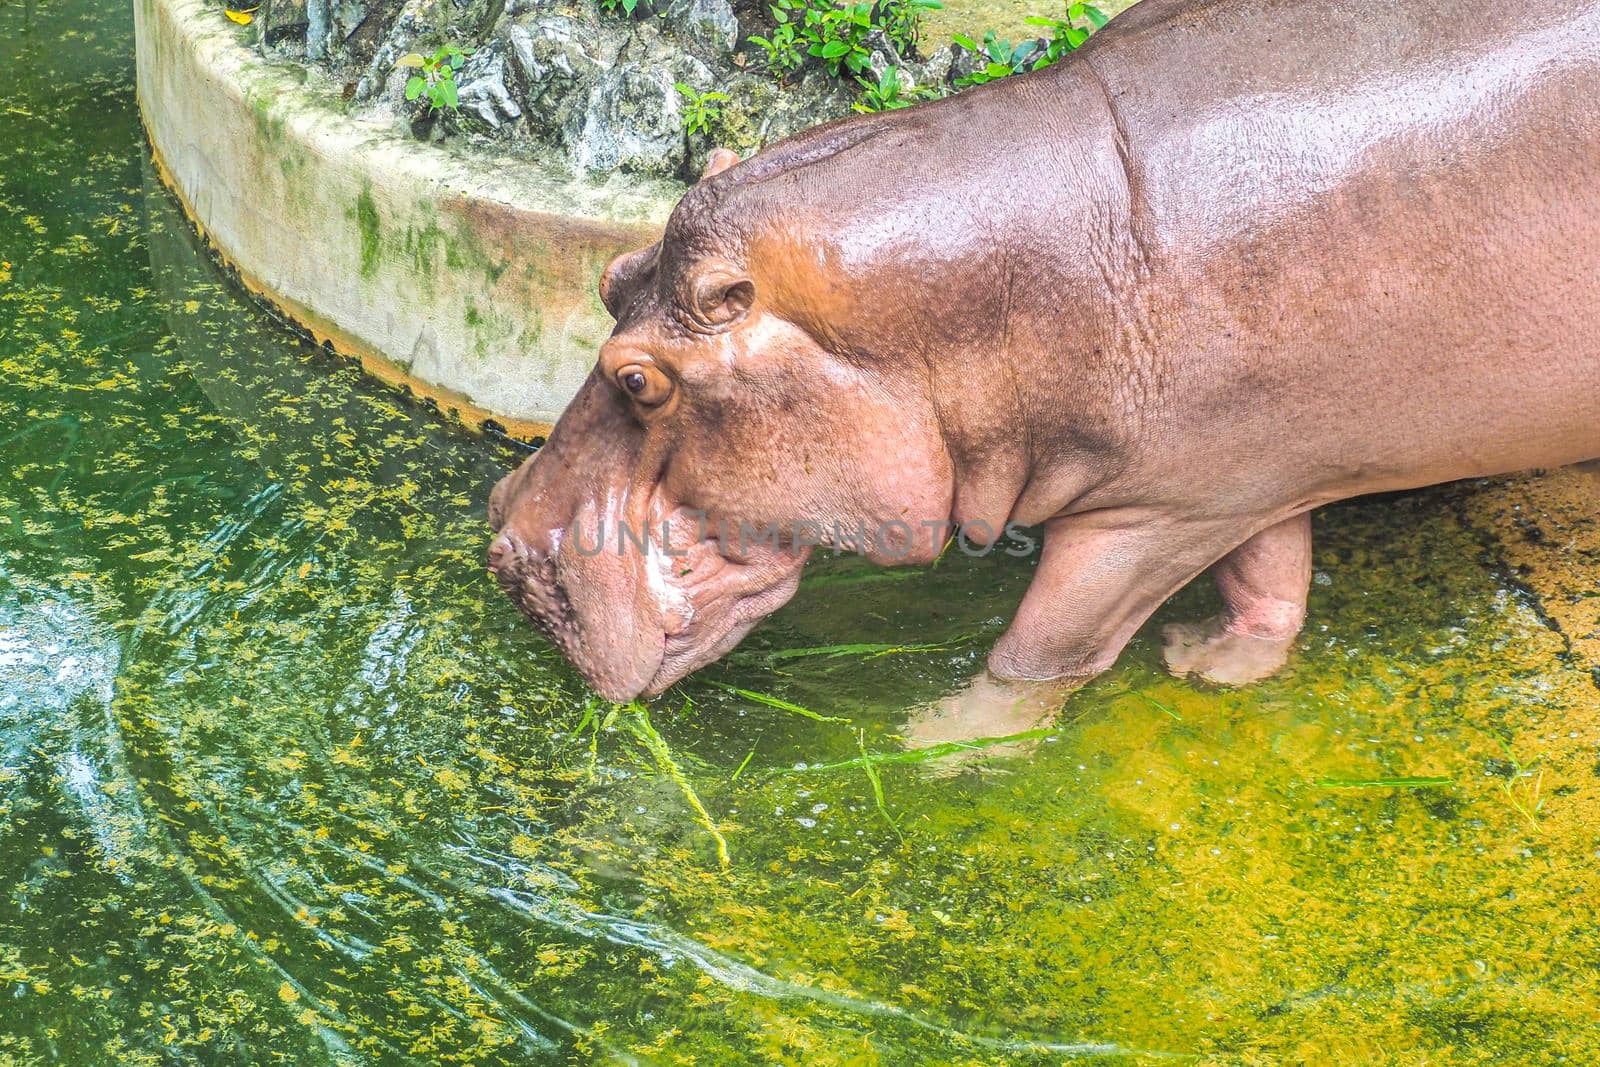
<point>283,778</point>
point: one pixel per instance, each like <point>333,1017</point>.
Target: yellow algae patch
<point>1547,528</point>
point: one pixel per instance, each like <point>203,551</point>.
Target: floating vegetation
<point>1385,783</point>
<point>869,764</point>
<point>868,650</point>
<point>927,753</point>
<point>645,730</point>
<point>776,702</point>
<point>1523,787</point>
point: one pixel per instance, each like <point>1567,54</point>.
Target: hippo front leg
<point>1264,583</point>
<point>1100,577</point>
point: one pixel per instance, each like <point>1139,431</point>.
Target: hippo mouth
<point>635,622</point>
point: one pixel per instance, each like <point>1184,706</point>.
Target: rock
<point>556,54</point>
<point>709,23</point>
<point>481,88</point>
<point>344,18</point>
<point>316,29</point>
<point>933,71</point>
<point>596,86</point>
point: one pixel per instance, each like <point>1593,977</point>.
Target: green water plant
<point>869,765</point>
<point>1522,787</point>
<point>927,753</point>
<point>1418,782</point>
<point>700,110</point>
<point>777,702</point>
<point>638,720</point>
<point>435,76</point>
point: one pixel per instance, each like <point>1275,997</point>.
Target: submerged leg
<point>1264,583</point>
<point>1099,579</point>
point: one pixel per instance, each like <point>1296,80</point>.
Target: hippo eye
<point>644,383</point>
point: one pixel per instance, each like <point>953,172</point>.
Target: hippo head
<point>726,429</point>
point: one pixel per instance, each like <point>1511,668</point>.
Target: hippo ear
<point>717,294</point>
<point>720,160</point>
<point>621,274</point>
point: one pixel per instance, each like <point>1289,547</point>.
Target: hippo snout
<point>503,551</point>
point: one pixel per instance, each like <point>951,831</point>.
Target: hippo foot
<point>1213,652</point>
<point>985,709</point>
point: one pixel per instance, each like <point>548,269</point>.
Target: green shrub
<point>836,34</point>
<point>700,109</point>
<point>1002,59</point>
<point>889,92</point>
<point>435,77</point>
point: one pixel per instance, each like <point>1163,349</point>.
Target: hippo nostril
<point>503,551</point>
<point>497,502</point>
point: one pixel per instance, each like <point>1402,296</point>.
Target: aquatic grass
<point>661,752</point>
<point>868,650</point>
<point>922,755</point>
<point>869,765</point>
<point>778,703</point>
<point>1530,802</point>
<point>1159,706</point>
<point>1420,782</point>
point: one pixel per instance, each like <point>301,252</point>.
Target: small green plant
<point>628,6</point>
<point>1002,59</point>
<point>700,109</point>
<point>782,50</point>
<point>839,37</point>
<point>435,76</point>
<point>888,92</point>
<point>1065,35</point>
<point>1522,788</point>
<point>837,34</point>
<point>901,21</point>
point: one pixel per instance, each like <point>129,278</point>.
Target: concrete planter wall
<point>472,281</point>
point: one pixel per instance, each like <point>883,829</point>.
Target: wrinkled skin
<point>1226,263</point>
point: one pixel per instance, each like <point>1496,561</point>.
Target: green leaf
<point>964,41</point>
<point>834,49</point>
<point>414,87</point>
<point>997,70</point>
<point>447,90</point>
<point>1095,15</point>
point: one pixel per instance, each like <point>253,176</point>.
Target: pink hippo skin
<point>1226,263</point>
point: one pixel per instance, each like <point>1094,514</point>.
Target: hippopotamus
<point>1224,264</point>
